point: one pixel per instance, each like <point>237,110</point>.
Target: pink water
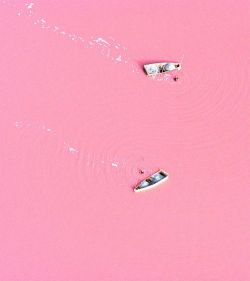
<point>79,118</point>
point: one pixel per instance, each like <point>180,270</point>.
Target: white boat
<point>158,68</point>
<point>152,181</point>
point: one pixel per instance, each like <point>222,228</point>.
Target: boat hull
<point>159,68</point>
<point>152,181</point>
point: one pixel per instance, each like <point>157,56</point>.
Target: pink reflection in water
<point>81,124</point>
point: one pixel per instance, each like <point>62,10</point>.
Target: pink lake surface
<point>79,119</point>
